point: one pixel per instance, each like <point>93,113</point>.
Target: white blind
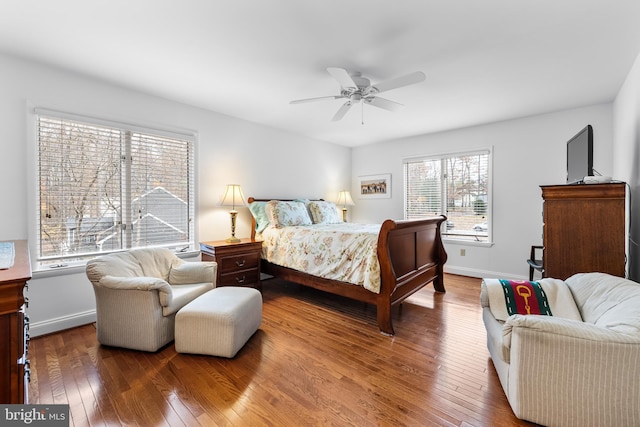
<point>455,185</point>
<point>104,188</point>
<point>423,188</point>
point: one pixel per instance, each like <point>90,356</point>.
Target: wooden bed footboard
<point>410,253</point>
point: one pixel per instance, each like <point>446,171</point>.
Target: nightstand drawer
<point>240,278</point>
<point>238,263</point>
<point>243,261</point>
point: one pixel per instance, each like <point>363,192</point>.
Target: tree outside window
<point>457,186</point>
<point>108,188</point>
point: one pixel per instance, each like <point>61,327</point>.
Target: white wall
<point>626,155</point>
<point>527,153</point>
<point>265,161</point>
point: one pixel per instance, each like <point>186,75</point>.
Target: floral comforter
<point>345,251</point>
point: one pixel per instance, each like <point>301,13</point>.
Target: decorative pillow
<point>551,297</point>
<point>287,214</point>
<point>257,210</point>
<point>324,213</point>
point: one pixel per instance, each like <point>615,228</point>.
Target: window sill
<point>42,271</point>
<point>467,243</point>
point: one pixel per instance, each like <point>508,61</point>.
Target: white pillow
<point>324,212</point>
<point>287,214</point>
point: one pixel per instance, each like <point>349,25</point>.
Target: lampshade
<point>233,196</point>
<point>344,199</point>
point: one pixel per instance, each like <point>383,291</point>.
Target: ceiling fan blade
<point>343,77</point>
<point>342,111</point>
<point>320,98</point>
<point>385,104</point>
<point>407,80</point>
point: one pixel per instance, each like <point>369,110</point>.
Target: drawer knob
<point>240,263</point>
<point>240,279</point>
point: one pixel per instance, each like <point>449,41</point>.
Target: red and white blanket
<point>550,297</point>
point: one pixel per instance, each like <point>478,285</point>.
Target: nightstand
<point>238,263</point>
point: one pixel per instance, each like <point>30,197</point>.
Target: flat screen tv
<point>580,156</point>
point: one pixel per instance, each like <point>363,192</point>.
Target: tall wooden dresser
<point>14,325</point>
<point>584,229</point>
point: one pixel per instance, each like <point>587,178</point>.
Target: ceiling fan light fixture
<point>361,82</point>
<point>357,89</point>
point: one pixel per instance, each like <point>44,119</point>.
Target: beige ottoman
<point>219,322</point>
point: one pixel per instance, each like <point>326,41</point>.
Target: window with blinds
<point>456,185</point>
<point>106,187</point>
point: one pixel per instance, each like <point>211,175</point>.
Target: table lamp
<point>344,199</point>
<point>233,197</point>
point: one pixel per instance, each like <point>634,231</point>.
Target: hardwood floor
<point>317,359</point>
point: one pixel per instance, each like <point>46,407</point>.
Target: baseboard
<point>470,272</point>
<point>60,323</point>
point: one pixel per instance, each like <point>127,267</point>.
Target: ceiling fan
<point>356,88</point>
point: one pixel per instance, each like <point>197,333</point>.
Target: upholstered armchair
<point>562,372</point>
<point>139,292</point>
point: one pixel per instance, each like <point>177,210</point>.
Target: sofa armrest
<point>557,328</point>
<point>567,328</point>
<point>186,273</point>
<point>139,284</point>
<point>576,370</point>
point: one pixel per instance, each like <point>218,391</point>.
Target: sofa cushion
<point>607,301</point>
<point>184,273</point>
<point>133,263</point>
<point>154,263</point>
<point>184,294</point>
<point>117,264</point>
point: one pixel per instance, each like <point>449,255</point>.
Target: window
<point>105,187</point>
<point>456,185</point>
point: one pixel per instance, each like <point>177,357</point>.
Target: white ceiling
<point>485,60</point>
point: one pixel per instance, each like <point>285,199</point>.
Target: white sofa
<point>561,372</point>
<point>138,293</point>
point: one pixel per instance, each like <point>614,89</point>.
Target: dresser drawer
<point>242,261</point>
<point>240,278</point>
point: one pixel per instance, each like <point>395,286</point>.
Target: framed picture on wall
<point>374,186</point>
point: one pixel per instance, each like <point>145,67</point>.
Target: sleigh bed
<point>410,255</point>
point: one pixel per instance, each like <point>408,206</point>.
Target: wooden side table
<point>238,263</point>
<point>14,326</point>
